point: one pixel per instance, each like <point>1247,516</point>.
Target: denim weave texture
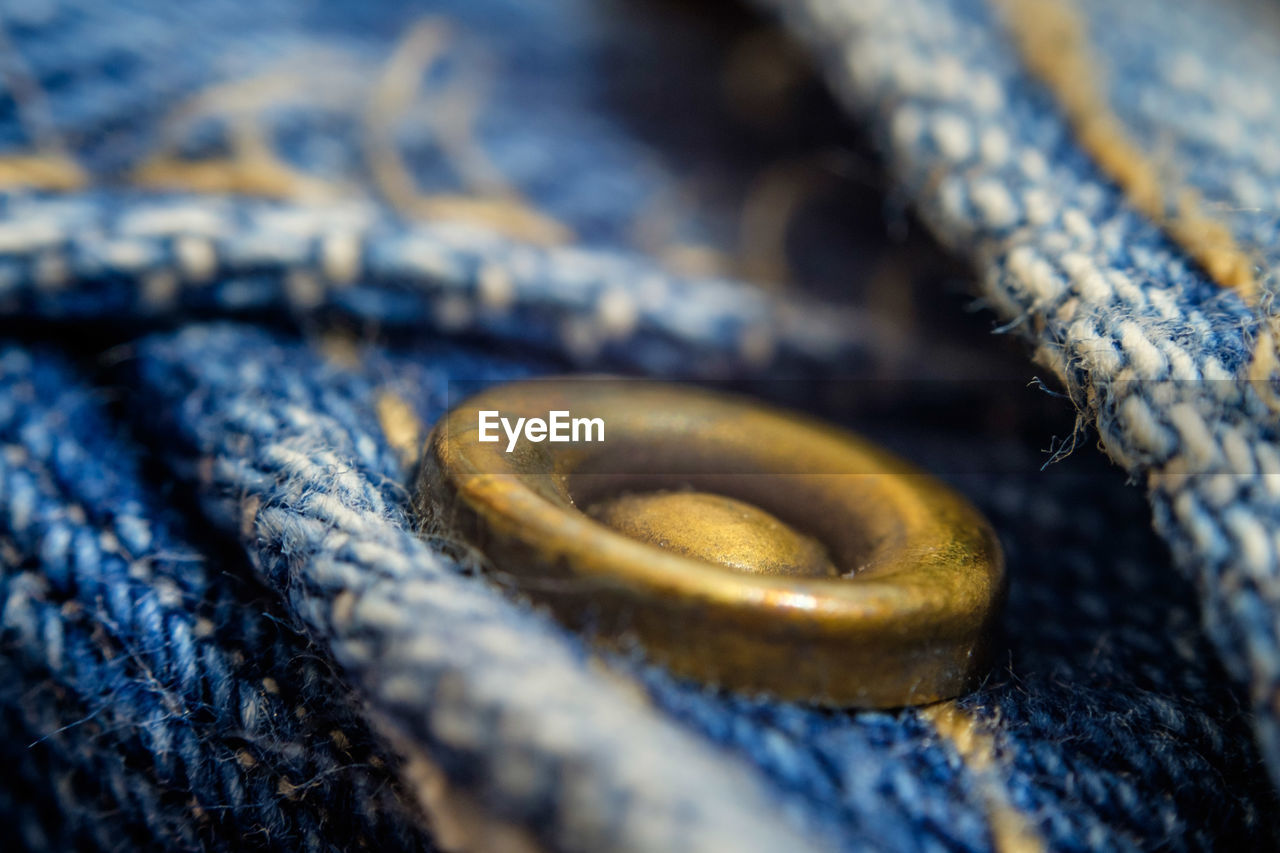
<point>1172,369</point>
<point>247,252</point>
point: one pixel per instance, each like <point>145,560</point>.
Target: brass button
<point>717,529</point>
<point>734,543</point>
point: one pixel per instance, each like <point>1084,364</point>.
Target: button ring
<point>734,543</point>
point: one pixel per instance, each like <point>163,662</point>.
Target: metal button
<point>717,529</point>
<point>734,543</point>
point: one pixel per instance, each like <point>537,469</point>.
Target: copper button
<point>736,544</point>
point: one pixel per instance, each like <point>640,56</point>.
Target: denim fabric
<point>1097,712</point>
<point>1173,367</point>
<point>469,261</point>
<point>1202,104</point>
<point>154,694</point>
<point>221,625</point>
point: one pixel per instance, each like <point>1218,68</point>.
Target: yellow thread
<point>1054,46</point>
<point>1264,362</point>
<point>400,425</point>
<point>249,517</point>
<point>459,822</point>
<point>451,113</point>
<point>340,348</point>
<point>694,260</point>
<point>340,740</point>
<point>392,96</point>
<point>50,166</point>
<point>287,789</point>
<point>41,171</point>
<point>253,168</point>
<point>230,175</point>
<point>1010,830</point>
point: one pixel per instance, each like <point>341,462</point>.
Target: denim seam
<point>1148,347</point>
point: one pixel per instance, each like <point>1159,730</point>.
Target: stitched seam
<point>974,742</point>
<point>1053,44</point>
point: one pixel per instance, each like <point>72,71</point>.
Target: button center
<point>716,529</point>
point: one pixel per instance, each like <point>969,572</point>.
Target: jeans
<point>248,254</point>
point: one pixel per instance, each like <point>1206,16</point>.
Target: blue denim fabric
<point>154,694</point>
<point>1175,370</point>
<point>1101,706</point>
<point>221,625</point>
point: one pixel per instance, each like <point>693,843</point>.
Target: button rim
<point>912,627</point>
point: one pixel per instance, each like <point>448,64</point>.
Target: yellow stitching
<point>50,166</point>
<point>400,425</point>
<point>392,95</point>
<point>41,171</point>
<point>253,168</point>
<point>1263,363</point>
<point>451,113</point>
<point>459,823</point>
<point>339,348</point>
<point>267,178</point>
<point>694,260</point>
<point>1011,832</point>
<point>1054,46</point>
